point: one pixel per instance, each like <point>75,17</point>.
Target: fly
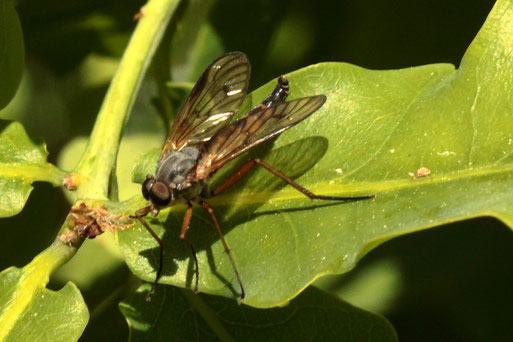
<point>202,140</point>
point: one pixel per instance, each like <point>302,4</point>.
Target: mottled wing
<point>259,125</point>
<point>216,96</point>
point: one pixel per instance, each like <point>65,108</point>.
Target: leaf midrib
<point>361,188</point>
<point>32,172</point>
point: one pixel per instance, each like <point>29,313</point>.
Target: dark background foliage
<point>455,282</point>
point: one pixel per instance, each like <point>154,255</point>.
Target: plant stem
<point>98,161</point>
<point>100,155</point>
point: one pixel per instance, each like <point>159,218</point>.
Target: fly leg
<point>246,167</point>
<point>139,214</point>
<point>243,170</point>
<point>185,227</point>
<point>209,209</point>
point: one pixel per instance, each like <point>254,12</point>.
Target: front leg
<point>139,214</point>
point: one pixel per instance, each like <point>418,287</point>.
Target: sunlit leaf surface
<point>22,162</point>
<point>434,143</point>
<point>39,315</point>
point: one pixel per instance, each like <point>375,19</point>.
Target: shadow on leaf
<point>231,208</point>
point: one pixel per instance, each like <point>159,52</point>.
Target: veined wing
<point>216,96</point>
<point>259,125</point>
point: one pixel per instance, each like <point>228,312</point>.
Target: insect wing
<point>260,124</point>
<point>216,96</point>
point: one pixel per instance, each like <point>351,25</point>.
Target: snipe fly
<point>202,141</point>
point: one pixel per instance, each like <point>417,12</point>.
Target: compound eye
<point>146,187</point>
<point>160,194</point>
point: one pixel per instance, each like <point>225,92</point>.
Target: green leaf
<point>22,162</point>
<point>373,287</point>
<point>12,53</point>
<point>188,317</point>
<point>376,129</point>
<point>32,313</point>
<point>145,164</point>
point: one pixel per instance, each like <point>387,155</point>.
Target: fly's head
<point>158,193</point>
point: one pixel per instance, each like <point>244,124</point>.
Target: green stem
<point>100,156</point>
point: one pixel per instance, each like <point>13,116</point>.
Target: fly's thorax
<point>193,192</point>
<point>175,168</point>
